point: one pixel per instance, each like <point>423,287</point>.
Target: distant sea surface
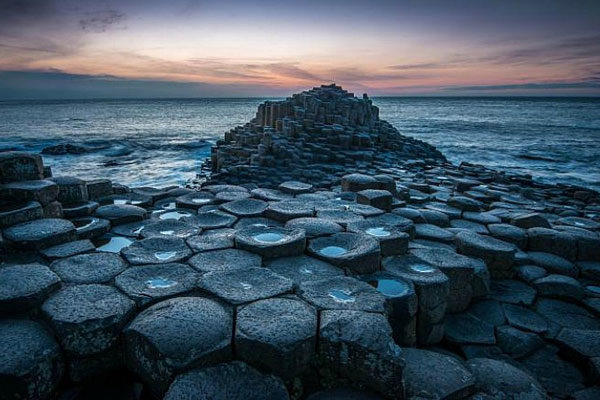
<point>158,142</point>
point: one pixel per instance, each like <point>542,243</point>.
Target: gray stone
<point>469,225</point>
<point>525,318</point>
<point>148,284</point>
<point>224,260</point>
<point>295,187</point>
<point>215,239</point>
<point>529,273</point>
<point>286,210</point>
<point>467,328</point>
<point>89,268</point>
<point>490,311</point>
<point>23,287</point>
<point>156,250</point>
<point>270,194</point>
<point>552,241</point>
<point>41,233</point>
<point>98,188</point>
<point>517,343</point>
<point>70,189</point>
<point>244,285</point>
<point>341,217</point>
<point>392,240</point>
<point>42,191</point>
<point>90,227</point>
<point>16,213</point>
<point>277,335</point>
<point>245,207</point>
<point>358,182</point>
<point>464,203</point>
<point>232,195</point>
<point>433,232</point>
<point>78,210</point>
<point>68,249</point>
<point>498,255</point>
<point>560,287</point>
<point>119,214</point>
<point>271,242</point>
<point>20,166</point>
<point>230,381</point>
<point>176,335</point>
<point>579,344</point>
<point>431,375</point>
<point>358,346</point>
<point>87,318</point>
<point>303,269</point>
<point>315,227</point>
<point>553,263</point>
<point>504,381</point>
<point>530,220</point>
<point>381,199</point>
<point>357,253</point>
<point>167,228</point>
<point>214,219</point>
<point>31,364</point>
<point>511,291</point>
<point>195,200</point>
<point>342,293</point>
<point>567,315</point>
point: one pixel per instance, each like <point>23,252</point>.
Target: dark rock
<point>553,263</point>
<point>431,375</point>
<point>358,346</point>
<point>256,221</point>
<point>245,208</point>
<point>23,287</point>
<point>315,227</point>
<point>148,284</point>
<point>53,210</point>
<point>498,255</point>
<point>591,393</point>
<point>195,200</point>
<point>31,364</point>
<point>464,203</point>
<point>552,241</point>
<point>121,213</point>
<point>381,199</point>
<point>504,381</point>
<point>214,220</point>
<point>62,149</point>
<point>590,270</point>
<point>342,293</point>
<point>89,268</point>
<point>169,228</point>
<point>341,217</point>
<point>467,328</point>
<point>90,227</point>
<point>82,209</point>
<point>41,233</point>
<point>244,285</point>
<point>490,311</point>
<point>343,394</point>
<point>525,318</point>
<point>156,250</point>
<point>277,335</point>
<point>303,269</point>
<point>531,220</point>
<point>16,213</point>
<point>68,249</point>
<point>517,343</point>
<point>127,198</point>
<point>231,196</point>
<point>560,287</point>
<point>271,242</point>
<point>20,166</point>
<point>175,335</point>
<point>511,291</point>
<point>230,381</point>
<point>529,273</point>
<point>579,344</point>
<point>355,252</point>
<point>99,188</point>
<point>567,315</point>
<point>294,187</point>
<point>70,189</point>
<point>433,232</point>
<point>286,210</point>
<point>463,224</point>
<point>392,239</point>
<point>224,260</point>
<point>358,182</point>
<point>214,239</point>
<point>579,222</point>
<point>270,194</point>
<point>87,318</point>
<point>42,191</point>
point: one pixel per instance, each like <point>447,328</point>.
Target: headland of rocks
<point>326,257</point>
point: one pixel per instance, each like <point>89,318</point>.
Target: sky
<point>243,48</point>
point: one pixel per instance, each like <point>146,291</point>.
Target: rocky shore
<point>326,257</point>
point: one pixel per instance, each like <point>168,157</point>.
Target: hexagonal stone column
<point>169,228</point>
<point>244,285</point>
<point>381,199</point>
<point>295,187</point>
<point>176,335</point>
<point>224,260</point>
<point>89,268</point>
<point>432,288</point>
<point>499,256</point>
<point>119,214</point>
<point>31,364</point>
<point>70,189</point>
<point>214,219</point>
<point>358,182</point>
<point>148,284</point>
<point>460,271</point>
<point>41,233</point>
<point>285,210</point>
<point>245,207</point>
<point>401,305</point>
<point>358,253</point>
<point>392,240</point>
<point>271,242</point>
<point>358,346</point>
<point>342,293</point>
<point>303,268</point>
<point>232,381</point>
<point>23,287</point>
<point>20,166</point>
<point>314,227</point>
<point>277,335</point>
<point>156,250</point>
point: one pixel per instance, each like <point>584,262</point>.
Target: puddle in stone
<point>139,230</point>
<point>332,251</point>
<point>120,201</point>
<point>200,201</point>
<point>177,215</point>
<point>306,271</point>
<point>169,206</point>
<point>261,225</point>
<point>164,255</point>
<point>422,268</point>
<point>389,287</point>
<point>342,296</point>
<point>114,244</point>
<point>136,202</point>
<point>379,232</point>
<point>160,283</point>
<point>167,232</point>
<point>593,289</point>
<point>245,286</point>
<point>269,237</point>
<point>82,225</point>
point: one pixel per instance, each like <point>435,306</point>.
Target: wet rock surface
<point>323,240</point>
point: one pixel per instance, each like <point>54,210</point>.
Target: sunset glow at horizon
<point>240,48</point>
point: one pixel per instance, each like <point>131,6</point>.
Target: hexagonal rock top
<point>41,233</point>
<point>156,250</point>
<point>151,283</point>
<point>500,379</point>
<point>87,318</point>
<point>89,268</point>
<point>359,346</point>
<point>23,287</point>
<point>245,207</point>
<point>342,293</point>
<point>277,335</point>
<point>245,285</point>
<point>358,182</point>
<point>295,187</point>
<point>314,227</point>
<point>357,252</point>
<point>119,214</point>
<point>175,335</point>
<point>169,228</point>
<point>224,260</point>
<point>271,242</point>
<point>498,255</point>
<point>230,381</point>
<point>303,268</point>
<point>214,219</point>
<point>31,365</point>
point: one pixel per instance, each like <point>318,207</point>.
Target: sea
<point>162,142</point>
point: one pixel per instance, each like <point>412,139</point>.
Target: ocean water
<point>140,142</point>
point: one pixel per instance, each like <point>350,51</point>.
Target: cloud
<point>101,21</point>
<point>429,65</point>
<point>526,86</point>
